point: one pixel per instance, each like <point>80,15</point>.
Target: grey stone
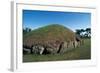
<point>26,50</point>
<point>38,49</point>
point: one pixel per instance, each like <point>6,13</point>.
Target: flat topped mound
<point>50,33</point>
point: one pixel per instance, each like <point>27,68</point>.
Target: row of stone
<point>60,48</point>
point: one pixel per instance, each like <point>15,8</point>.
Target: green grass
<point>49,33</point>
<point>82,52</point>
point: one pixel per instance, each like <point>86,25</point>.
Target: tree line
<point>26,30</point>
<point>84,33</point>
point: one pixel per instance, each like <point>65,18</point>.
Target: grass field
<point>82,52</point>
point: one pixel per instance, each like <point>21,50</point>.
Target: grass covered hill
<point>51,33</point>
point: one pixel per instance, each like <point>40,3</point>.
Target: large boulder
<point>37,49</point>
<point>26,51</point>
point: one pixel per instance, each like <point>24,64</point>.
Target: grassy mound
<point>50,33</point>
